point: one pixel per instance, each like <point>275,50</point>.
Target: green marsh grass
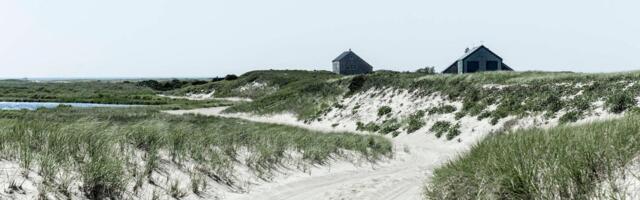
<point>565,162</point>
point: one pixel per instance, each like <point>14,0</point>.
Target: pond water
<point>36,105</point>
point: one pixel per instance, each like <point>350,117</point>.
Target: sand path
<point>403,177</point>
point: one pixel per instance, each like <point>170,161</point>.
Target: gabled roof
<point>476,49</point>
<point>472,51</point>
<point>344,54</point>
<point>455,64</point>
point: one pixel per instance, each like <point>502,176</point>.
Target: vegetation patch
<point>389,126</point>
<point>384,110</point>
<point>356,84</point>
<point>489,95</point>
<point>440,127</point>
<point>371,127</point>
<point>566,162</point>
<point>571,116</point>
<point>415,121</point>
<point>100,144</point>
<point>453,131</point>
<point>620,101</point>
<point>442,109</point>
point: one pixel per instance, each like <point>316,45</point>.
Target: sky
<point>206,38</point>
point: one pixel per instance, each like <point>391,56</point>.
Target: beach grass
<point>101,145</point>
<point>565,162</point>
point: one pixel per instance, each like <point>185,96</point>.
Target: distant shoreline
<point>100,78</point>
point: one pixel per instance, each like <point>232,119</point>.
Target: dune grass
<point>91,91</point>
<point>103,144</point>
<point>520,93</point>
<point>566,162</point>
<point>310,94</point>
<point>272,80</point>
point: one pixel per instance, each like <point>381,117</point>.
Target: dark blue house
<point>348,63</point>
<point>478,59</point>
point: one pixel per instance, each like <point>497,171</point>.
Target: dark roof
<point>344,54</point>
<point>476,49</point>
<point>506,67</point>
<point>455,64</point>
<point>473,50</point>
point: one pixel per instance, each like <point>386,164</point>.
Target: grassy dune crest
<point>566,162</point>
<point>492,95</point>
<point>108,148</point>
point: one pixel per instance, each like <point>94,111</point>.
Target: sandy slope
<point>401,178</point>
<point>404,176</point>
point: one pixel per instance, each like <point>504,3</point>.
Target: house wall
<point>352,64</point>
<point>482,55</point>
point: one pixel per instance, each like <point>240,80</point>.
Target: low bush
<point>371,127</point>
<point>440,127</point>
<point>384,110</point>
<point>230,77</point>
<point>571,116</point>
<point>389,126</point>
<point>453,131</point>
<point>620,101</point>
<point>356,84</point>
<point>415,122</point>
<point>442,109</point>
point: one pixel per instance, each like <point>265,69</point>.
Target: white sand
<point>625,184</point>
<point>418,154</point>
<point>401,178</point>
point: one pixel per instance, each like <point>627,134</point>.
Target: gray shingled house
<point>478,59</point>
<point>348,63</point>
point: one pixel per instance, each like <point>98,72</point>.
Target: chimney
<point>466,50</point>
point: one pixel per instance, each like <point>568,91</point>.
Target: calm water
<point>36,105</point>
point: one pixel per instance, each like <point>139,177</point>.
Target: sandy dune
<point>400,178</point>
<point>417,154</point>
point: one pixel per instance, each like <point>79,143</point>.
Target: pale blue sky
<point>171,38</point>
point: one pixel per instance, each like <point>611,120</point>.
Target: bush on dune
<point>620,101</point>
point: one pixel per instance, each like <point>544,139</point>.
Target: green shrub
<point>230,77</point>
<point>484,115</point>
<point>460,115</point>
<point>395,133</point>
<point>571,116</point>
<point>443,109</point>
<point>389,126</point>
<point>620,101</point>
<point>356,84</point>
<point>495,120</point>
<point>453,131</point>
<point>371,127</point>
<point>440,127</point>
<point>415,122</point>
<point>384,110</point>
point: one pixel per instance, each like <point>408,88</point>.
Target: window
<point>473,66</point>
<point>492,65</point>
